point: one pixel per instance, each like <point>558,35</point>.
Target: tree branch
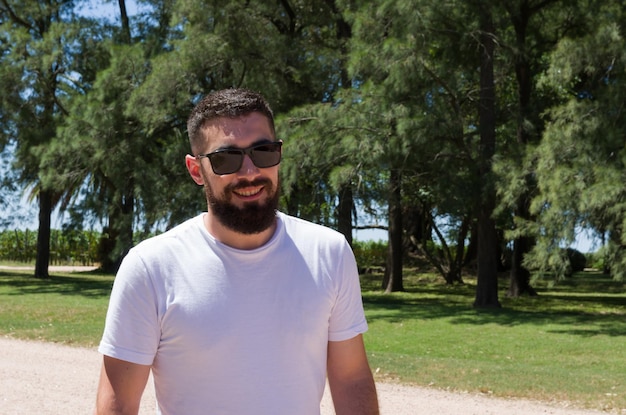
<point>14,17</point>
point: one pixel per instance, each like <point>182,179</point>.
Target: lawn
<point>566,345</point>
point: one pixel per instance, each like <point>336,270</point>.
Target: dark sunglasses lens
<point>226,162</point>
<point>266,155</point>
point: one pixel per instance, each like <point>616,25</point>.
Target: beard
<point>253,217</point>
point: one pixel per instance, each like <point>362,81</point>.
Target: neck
<point>235,239</point>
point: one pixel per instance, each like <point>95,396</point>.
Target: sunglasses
<point>229,160</point>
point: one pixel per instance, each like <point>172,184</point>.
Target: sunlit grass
<point>67,308</point>
<point>567,344</point>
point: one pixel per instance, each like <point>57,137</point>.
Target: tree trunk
<point>519,282</point>
<point>117,238</point>
<point>344,211</point>
<point>487,286</point>
<point>520,276</point>
<point>346,196</point>
<point>43,234</point>
<point>392,280</point>
<point>126,36</point>
<point>416,225</point>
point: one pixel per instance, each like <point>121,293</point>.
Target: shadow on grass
<point>583,309</point>
<point>86,284</point>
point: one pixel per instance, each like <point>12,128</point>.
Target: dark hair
<point>229,103</point>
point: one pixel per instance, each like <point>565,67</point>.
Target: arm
<point>121,386</point>
<point>350,378</point>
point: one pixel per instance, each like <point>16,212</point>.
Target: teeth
<point>248,192</point>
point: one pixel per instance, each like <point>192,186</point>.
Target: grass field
<point>567,344</point>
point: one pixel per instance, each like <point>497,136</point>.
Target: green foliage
<point>582,156</point>
<point>67,246</point>
<point>555,261</point>
<point>370,254</point>
<point>20,246</point>
<point>48,57</point>
<point>359,89</point>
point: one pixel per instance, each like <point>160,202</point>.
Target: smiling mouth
<point>248,192</point>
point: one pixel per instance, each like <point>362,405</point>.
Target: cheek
<point>219,188</point>
<point>210,179</point>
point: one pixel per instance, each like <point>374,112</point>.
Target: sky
<point>109,9</point>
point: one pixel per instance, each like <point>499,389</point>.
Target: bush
<point>66,246</point>
<point>370,254</point>
<point>577,260</point>
<point>599,259</point>
<point>18,246</point>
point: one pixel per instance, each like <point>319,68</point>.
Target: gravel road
<point>51,379</point>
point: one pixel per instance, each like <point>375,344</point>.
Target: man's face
<point>244,201</point>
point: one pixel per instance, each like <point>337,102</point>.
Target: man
<point>242,310</point>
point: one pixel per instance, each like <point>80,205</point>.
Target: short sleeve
<point>348,317</point>
<point>132,329</point>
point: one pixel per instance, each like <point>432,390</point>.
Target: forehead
<point>237,132</point>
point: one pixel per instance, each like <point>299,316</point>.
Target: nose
<point>247,167</point>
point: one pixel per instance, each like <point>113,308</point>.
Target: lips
<point>248,192</point>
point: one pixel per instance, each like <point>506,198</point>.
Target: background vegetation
<point>67,247</point>
<point>485,135</point>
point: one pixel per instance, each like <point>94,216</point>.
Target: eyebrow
<point>257,142</point>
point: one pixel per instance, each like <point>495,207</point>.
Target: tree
<point>124,167</point>
<point>487,281</point>
<point>536,27</point>
<point>120,163</point>
<point>392,280</point>
<point>528,19</point>
<point>432,86</point>
<point>41,46</point>
<point>106,150</point>
<point>219,46</point>
<point>580,161</point>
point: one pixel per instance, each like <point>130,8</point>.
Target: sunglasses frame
<point>242,152</point>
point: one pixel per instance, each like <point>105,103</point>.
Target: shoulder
<point>300,228</point>
<point>313,238</point>
<point>163,255</point>
<point>173,240</point>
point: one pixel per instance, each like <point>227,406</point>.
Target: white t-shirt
<point>230,331</point>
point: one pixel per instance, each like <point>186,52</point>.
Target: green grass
<point>566,345</point>
<point>67,308</point>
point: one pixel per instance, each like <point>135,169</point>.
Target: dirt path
<point>51,379</point>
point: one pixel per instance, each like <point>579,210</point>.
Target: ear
<point>193,167</point>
